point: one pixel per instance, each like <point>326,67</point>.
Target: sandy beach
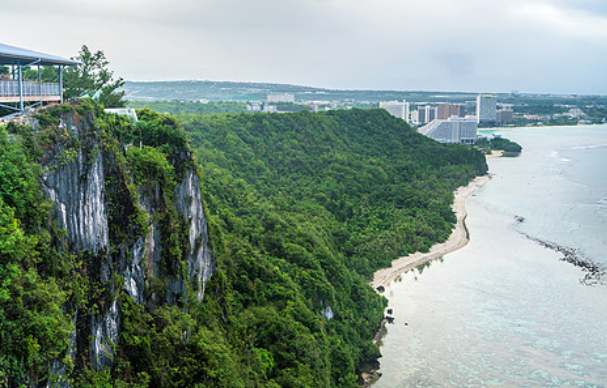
<point>495,154</point>
<point>458,239</point>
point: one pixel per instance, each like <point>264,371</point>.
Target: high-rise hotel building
<point>453,130</point>
<point>426,114</point>
<point>447,110</point>
<point>396,108</point>
<point>486,108</point>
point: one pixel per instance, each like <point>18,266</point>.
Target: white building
<point>426,114</point>
<point>415,116</point>
<point>280,97</point>
<point>123,111</point>
<point>576,112</point>
<point>453,130</point>
<point>261,107</point>
<point>396,108</point>
<point>486,108</point>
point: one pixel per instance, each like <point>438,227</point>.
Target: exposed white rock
<point>78,189</point>
<point>105,331</point>
<point>327,313</point>
<point>132,270</point>
<point>77,186</point>
<point>188,201</point>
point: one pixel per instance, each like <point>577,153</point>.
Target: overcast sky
<point>550,46</point>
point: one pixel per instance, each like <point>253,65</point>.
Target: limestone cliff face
<point>114,229</point>
<point>188,202</point>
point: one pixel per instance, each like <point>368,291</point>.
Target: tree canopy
<point>94,79</point>
<point>301,209</point>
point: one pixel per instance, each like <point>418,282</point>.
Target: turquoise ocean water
<point>506,311</point>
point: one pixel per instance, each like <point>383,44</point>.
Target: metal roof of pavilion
<point>11,55</point>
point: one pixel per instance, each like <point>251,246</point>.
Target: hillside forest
<point>302,208</point>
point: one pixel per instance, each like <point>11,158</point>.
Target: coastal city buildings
<point>504,116</point>
<point>446,110</point>
<point>396,108</point>
<point>426,114</point>
<point>261,107</point>
<point>576,112</point>
<point>486,108</point>
<point>314,106</point>
<point>453,130</point>
<point>414,117</point>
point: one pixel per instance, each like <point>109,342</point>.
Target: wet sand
<point>458,239</point>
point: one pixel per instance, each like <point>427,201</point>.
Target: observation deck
<point>15,92</point>
<point>30,91</point>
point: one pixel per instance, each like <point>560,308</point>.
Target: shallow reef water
<point>507,310</point>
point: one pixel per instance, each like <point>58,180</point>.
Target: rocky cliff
<point>139,237</point>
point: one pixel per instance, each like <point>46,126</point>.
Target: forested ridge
<point>326,199</point>
<point>377,188</point>
<point>302,208</point>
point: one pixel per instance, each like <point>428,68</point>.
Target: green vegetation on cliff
<point>302,208</point>
<point>33,329</point>
<point>308,206</point>
<point>380,188</point>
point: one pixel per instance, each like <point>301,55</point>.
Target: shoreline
<point>539,126</point>
<point>457,240</point>
<point>495,154</point>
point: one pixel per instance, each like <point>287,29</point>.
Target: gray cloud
<point>469,45</point>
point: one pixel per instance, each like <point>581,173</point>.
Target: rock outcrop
<point>594,273</point>
<point>115,231</point>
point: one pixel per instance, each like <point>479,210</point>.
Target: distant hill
<point>246,91</point>
<point>250,91</point>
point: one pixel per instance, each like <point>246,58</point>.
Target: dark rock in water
<point>389,311</point>
<point>389,319</point>
<point>596,273</point>
<point>519,219</point>
<point>381,289</point>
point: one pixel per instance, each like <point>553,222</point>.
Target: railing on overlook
<point>31,91</point>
